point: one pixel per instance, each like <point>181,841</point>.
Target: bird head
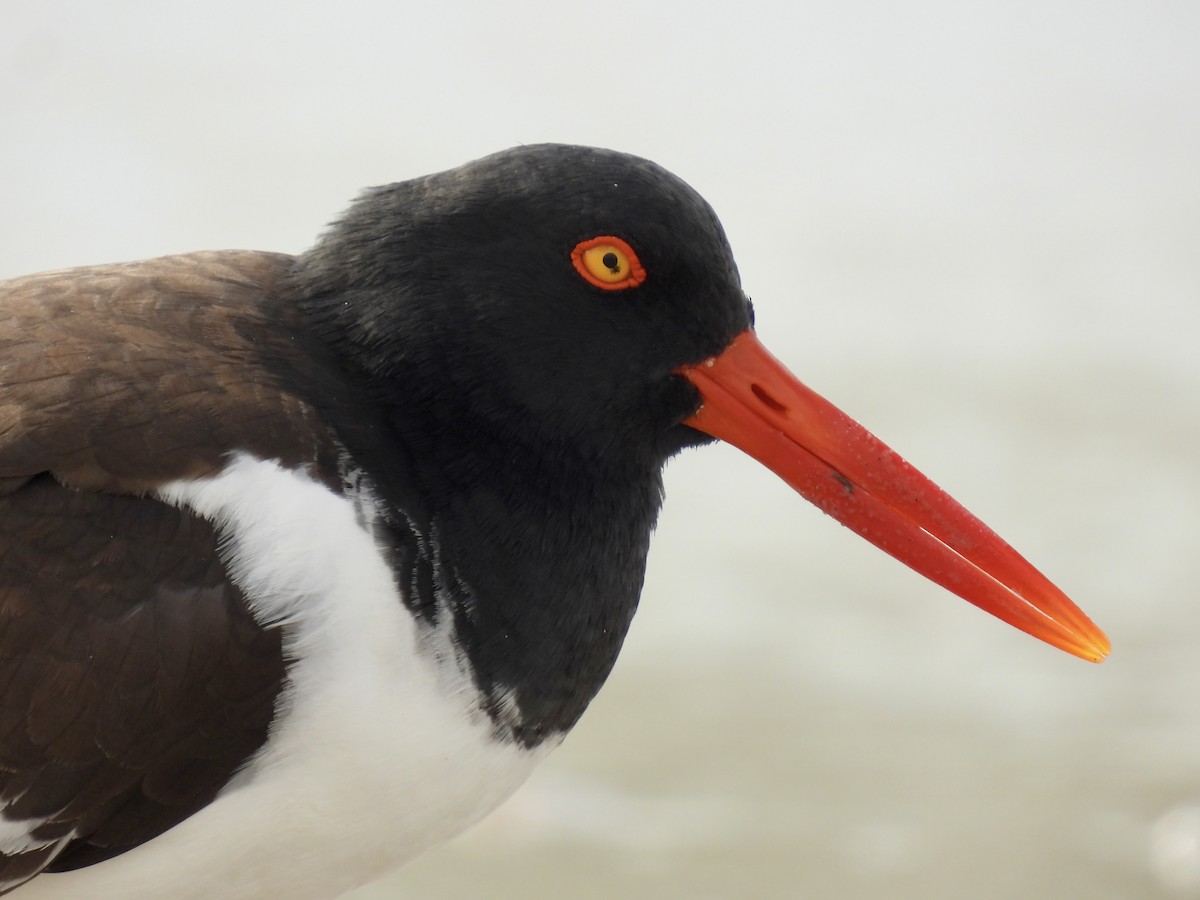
<point>586,302</point>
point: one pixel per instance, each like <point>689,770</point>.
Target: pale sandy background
<point>975,226</point>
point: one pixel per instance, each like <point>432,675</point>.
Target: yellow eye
<point>608,262</point>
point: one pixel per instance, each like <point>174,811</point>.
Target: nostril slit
<point>766,398</point>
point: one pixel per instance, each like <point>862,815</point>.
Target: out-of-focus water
<point>974,227</point>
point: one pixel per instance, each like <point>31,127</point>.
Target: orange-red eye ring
<point>608,262</point>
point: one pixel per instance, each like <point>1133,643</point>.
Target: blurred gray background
<point>974,226</point>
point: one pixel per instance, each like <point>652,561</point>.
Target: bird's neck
<point>536,558</point>
<point>530,550</point>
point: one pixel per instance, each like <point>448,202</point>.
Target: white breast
<point>379,749</point>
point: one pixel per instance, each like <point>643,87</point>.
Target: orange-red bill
<point>752,401</point>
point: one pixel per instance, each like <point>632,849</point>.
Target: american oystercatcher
<point>305,562</point>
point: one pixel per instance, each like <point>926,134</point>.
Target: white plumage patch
<point>16,835</point>
<point>378,750</point>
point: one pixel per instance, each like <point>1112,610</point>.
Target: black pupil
<point>611,262</point>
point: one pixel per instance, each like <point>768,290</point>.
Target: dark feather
<point>135,681</point>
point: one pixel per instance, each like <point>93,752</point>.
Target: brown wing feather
<point>121,377</point>
<point>133,680</point>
